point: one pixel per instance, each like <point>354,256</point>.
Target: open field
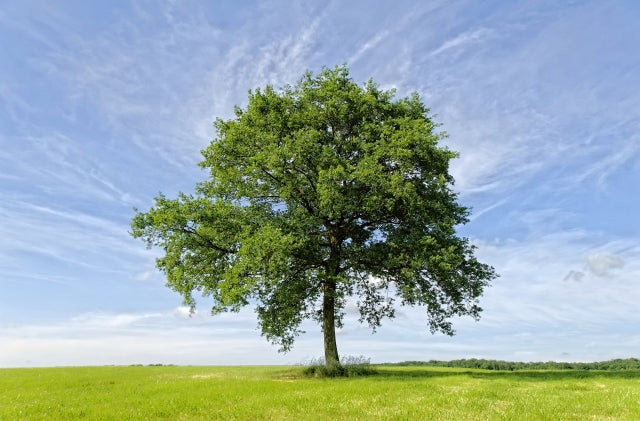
<point>266,393</point>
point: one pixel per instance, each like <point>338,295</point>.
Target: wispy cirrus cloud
<point>463,40</point>
<point>56,165</point>
<point>368,45</point>
<point>77,250</point>
<point>142,88</point>
<point>518,96</point>
<point>539,276</point>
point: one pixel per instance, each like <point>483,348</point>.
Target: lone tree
<point>319,192</point>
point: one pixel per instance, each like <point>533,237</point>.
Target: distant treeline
<point>618,364</point>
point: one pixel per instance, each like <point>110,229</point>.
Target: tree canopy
<point>319,192</point>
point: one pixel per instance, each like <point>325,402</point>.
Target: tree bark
<point>331,358</point>
<point>328,324</point>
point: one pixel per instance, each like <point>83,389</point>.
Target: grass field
<point>273,393</point>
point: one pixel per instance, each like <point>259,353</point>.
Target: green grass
<point>268,393</point>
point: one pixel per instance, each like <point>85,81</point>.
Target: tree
<point>320,192</point>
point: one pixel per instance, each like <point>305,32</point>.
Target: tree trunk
<point>331,358</point>
<point>328,324</point>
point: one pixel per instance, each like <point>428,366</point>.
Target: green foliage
<point>611,365</point>
<point>278,393</point>
<point>319,192</point>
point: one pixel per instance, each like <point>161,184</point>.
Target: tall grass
<point>350,366</point>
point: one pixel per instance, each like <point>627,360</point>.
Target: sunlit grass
<point>261,393</point>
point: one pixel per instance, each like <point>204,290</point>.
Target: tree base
<point>353,367</point>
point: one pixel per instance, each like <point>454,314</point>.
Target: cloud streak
<point>465,39</point>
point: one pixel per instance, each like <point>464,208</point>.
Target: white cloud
<point>529,93</point>
<point>183,312</point>
<point>464,39</point>
<point>143,276</point>
<point>56,257</point>
<point>112,321</point>
<point>531,290</point>
<point>603,264</point>
<point>138,338</point>
<point>368,45</point>
<point>56,165</point>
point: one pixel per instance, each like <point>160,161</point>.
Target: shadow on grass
<point>384,373</point>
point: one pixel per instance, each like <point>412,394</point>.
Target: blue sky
<point>104,104</point>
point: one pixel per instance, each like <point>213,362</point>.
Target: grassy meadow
<point>273,393</point>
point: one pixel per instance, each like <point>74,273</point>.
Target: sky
<point>105,104</point>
